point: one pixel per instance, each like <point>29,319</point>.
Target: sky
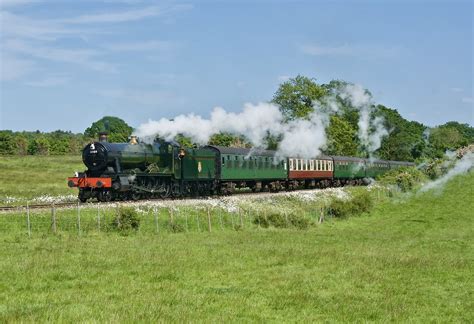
<point>65,64</point>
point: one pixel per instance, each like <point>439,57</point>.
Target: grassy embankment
<point>29,177</point>
<point>408,260</point>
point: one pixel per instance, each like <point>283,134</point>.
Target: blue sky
<point>65,64</point>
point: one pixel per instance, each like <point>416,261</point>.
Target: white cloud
<point>457,89</point>
<point>25,40</point>
<point>468,100</point>
<point>124,16</point>
<point>83,57</point>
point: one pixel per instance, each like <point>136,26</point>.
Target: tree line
<point>297,98</point>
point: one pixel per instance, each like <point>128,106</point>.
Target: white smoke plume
<point>300,138</point>
<point>463,165</point>
<point>371,132</point>
<point>254,122</point>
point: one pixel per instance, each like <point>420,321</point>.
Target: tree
<point>118,130</point>
<point>443,139</point>
<point>341,137</point>
<point>296,96</point>
<point>39,146</point>
<point>405,141</point>
<point>7,143</point>
<point>226,139</point>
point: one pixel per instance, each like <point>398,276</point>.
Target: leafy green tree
<point>21,144</point>
<point>118,130</point>
<point>184,141</point>
<point>405,141</point>
<point>446,138</point>
<point>341,137</point>
<point>226,139</point>
<point>296,96</point>
<point>7,143</point>
<point>39,146</point>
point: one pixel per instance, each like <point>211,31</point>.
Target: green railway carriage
<point>197,164</point>
<point>374,168</point>
<point>245,164</point>
<point>348,167</point>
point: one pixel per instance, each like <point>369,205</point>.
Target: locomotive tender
<point>137,170</point>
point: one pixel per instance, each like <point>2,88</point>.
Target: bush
<point>360,203</point>
<point>176,228</point>
<point>404,178</point>
<point>279,220</point>
<point>126,219</point>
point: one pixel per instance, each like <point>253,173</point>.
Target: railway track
<point>237,195</point>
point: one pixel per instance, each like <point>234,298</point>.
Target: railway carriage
<point>374,168</point>
<point>255,169</point>
<point>317,172</point>
<point>348,170</point>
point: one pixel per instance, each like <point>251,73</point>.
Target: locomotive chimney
<point>133,140</point>
<point>103,136</point>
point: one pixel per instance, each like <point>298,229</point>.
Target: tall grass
<point>406,261</point>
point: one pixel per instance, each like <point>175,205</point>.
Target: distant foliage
<point>126,220</point>
<point>360,203</point>
<point>38,143</point>
<point>296,96</point>
<point>118,130</point>
<point>406,178</point>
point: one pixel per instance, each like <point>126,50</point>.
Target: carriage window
<point>223,160</point>
<point>291,164</point>
<point>311,165</point>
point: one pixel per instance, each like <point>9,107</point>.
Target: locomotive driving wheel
<point>104,196</point>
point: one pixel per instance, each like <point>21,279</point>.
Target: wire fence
<point>83,220</point>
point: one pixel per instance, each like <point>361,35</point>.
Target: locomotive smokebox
<point>103,137</point>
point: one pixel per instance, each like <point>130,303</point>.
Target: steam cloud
<point>301,138</point>
<point>465,164</point>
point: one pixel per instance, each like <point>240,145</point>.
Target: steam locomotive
<point>137,170</point>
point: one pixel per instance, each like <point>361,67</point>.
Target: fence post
<point>220,219</point>
<point>241,218</point>
<point>186,220</point>
<point>28,224</point>
<point>98,217</point>
<point>321,217</point>
<point>171,215</point>
<point>78,219</point>
<point>53,218</point>
<point>209,219</point>
<point>232,219</point>
<point>156,220</point>
<point>249,217</point>
<point>198,222</point>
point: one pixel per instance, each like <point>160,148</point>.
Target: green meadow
<point>28,177</point>
<point>409,259</point>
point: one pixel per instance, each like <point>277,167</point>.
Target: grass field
<point>25,178</point>
<point>409,260</point>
